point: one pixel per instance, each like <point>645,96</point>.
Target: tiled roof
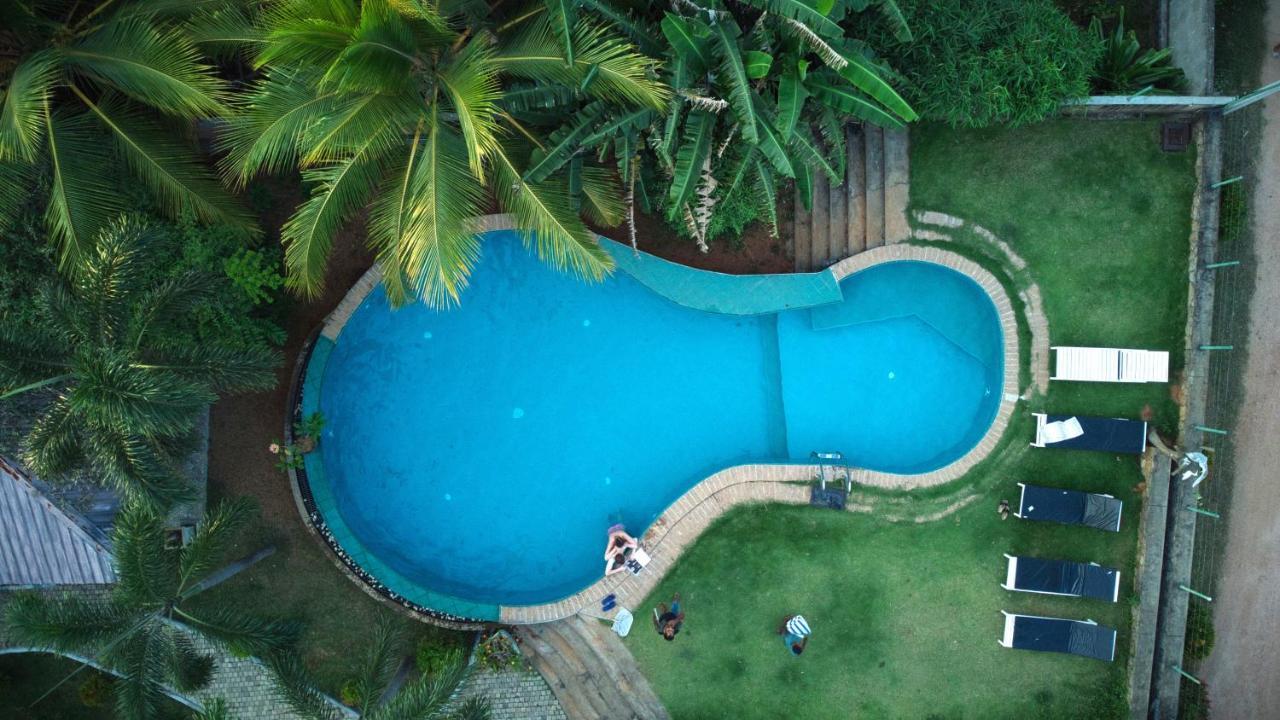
<point>42,545</point>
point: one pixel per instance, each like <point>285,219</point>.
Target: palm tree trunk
<point>220,576</point>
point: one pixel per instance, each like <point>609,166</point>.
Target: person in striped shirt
<point>795,633</point>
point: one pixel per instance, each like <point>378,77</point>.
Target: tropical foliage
<point>133,630</point>
<point>130,379</point>
<point>1125,67</point>
<point>369,692</point>
<point>82,81</point>
<point>976,63</point>
<point>761,92</point>
<point>426,114</point>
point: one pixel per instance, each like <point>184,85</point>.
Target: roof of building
<point>42,544</point>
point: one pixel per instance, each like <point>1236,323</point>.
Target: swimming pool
<point>474,457</point>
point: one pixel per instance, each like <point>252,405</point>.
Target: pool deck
<point>684,520</point>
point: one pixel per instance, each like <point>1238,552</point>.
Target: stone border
<point>685,519</point>
<point>1033,303</point>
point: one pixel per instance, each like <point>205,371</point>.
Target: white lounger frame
<point>1011,619</point>
<point>1090,364</point>
<point>1011,575</point>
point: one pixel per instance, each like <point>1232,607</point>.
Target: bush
<point>1125,67</point>
<point>1199,640</point>
<point>349,693</point>
<point>730,218</point>
<point>95,691</point>
<point>976,63</point>
<point>435,654</point>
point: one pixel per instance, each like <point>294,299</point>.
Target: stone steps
<point>868,210</point>
<point>590,671</point>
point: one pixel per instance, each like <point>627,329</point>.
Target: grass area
<point>1102,218</point>
<point>906,615</point>
<point>25,677</point>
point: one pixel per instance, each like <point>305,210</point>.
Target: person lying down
<point>618,550</point>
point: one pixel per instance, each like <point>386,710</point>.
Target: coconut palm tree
<point>427,113</point>
<point>129,391</point>
<point>81,81</point>
<point>376,690</point>
<point>142,630</point>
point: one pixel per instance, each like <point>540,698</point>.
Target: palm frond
<point>298,690</point>
<point>800,11</point>
<point>52,447</point>
<point>160,70</point>
<point>225,32</point>
<point>215,709</point>
<point>80,197</point>
<point>734,76</point>
<point>382,658</point>
<point>618,73</point>
<point>143,662</point>
<point>243,633</point>
<point>306,34</point>
<point>22,115</point>
<point>221,368</point>
<point>191,670</point>
<point>473,708</point>
<point>420,222</point>
<point>808,154</point>
<point>635,29</point>
<point>15,187</point>
<point>176,178</point>
<point>471,83</point>
<point>113,392</point>
<point>849,101</point>
<point>694,150</point>
<point>142,469</point>
<point>545,218</point>
<point>379,58</point>
<point>423,698</point>
<point>267,136</point>
<point>564,143</point>
<point>70,622</point>
<point>563,16</point>
<point>350,123</point>
<point>897,21</point>
<point>212,538</point>
<point>148,573</point>
<point>337,192</point>
<point>865,78</point>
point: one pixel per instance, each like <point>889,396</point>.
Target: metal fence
<point>1233,287</point>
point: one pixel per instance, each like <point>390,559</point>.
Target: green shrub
<point>1193,701</point>
<point>95,691</point>
<point>349,693</point>
<point>975,63</point>
<point>435,654</point>
<point>254,274</point>
<point>1199,640</point>
<point>1125,67</point>
<point>731,217</point>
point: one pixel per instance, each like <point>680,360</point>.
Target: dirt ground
<point>1243,670</point>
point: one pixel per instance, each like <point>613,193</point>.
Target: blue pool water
<point>481,452</point>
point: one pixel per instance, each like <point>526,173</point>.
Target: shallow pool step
<point>590,671</point>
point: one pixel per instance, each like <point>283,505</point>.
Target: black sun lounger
<point>1070,507</point>
<point>1102,434</point>
<point>1060,577</point>
<point>1085,638</point>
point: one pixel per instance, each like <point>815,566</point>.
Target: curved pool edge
<point>683,520</point>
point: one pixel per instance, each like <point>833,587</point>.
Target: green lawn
<point>906,615</point>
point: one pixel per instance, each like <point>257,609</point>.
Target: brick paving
<point>516,694</point>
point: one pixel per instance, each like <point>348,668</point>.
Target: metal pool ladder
<point>830,467</point>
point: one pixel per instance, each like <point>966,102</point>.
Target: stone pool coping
<point>682,521</point>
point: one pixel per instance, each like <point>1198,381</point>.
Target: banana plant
<point>761,90</point>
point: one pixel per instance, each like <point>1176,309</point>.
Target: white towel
<point>798,627</point>
<point>622,622</point>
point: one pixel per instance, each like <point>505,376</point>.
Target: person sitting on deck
<point>618,549</point>
<point>795,631</point>
<point>668,622</point>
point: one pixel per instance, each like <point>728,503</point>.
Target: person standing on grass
<point>668,621</point>
<point>795,633</point>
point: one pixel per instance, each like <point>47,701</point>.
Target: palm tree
<point>128,389</point>
<point>133,630</point>
<point>377,691</point>
<point>427,118</point>
<point>81,80</point>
